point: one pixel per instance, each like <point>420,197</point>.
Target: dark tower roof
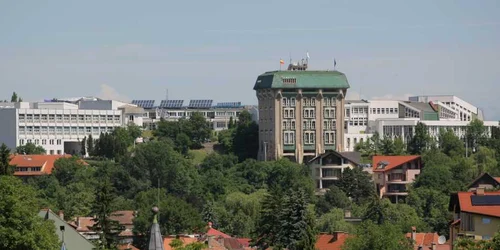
<point>155,238</point>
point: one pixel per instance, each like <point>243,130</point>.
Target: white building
<point>217,115</point>
<point>398,118</point>
<point>59,126</point>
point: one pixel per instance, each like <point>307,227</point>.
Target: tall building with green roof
<point>301,112</point>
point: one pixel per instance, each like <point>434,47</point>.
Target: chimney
<point>209,224</point>
<point>414,233</point>
<point>480,191</point>
<point>347,213</point>
<point>61,214</point>
<point>433,246</point>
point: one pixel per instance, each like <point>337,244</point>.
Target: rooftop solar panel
<point>147,104</point>
<point>228,105</point>
<point>200,103</point>
<point>485,200</point>
<point>171,103</point>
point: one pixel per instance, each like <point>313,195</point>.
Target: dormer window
<point>382,164</point>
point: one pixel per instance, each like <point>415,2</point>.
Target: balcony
<point>397,178</point>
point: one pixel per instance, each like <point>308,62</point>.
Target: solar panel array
<point>171,104</point>
<point>228,105</point>
<point>485,200</point>
<point>200,103</point>
<point>147,104</point>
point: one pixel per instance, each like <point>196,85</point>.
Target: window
<point>313,101</point>
<point>348,143</point>
<point>109,117</point>
<point>21,142</point>
<point>51,142</point>
<point>29,129</point>
<point>289,138</point>
<point>289,113</point>
<point>88,118</point>
<point>21,117</point>
<point>73,118</point>
<point>309,113</point>
<point>486,220</point>
<point>486,237</point>
<point>292,101</point>
<point>36,118</point>
<point>327,102</point>
<point>220,124</point>
<point>52,152</point>
<point>36,129</point>
<point>81,130</point>
<point>117,118</point>
<point>284,102</point>
<point>306,102</point>
<point>313,124</point>
<point>59,118</point>
<point>59,130</point>
<point>44,141</point>
<point>58,142</point>
<point>66,131</point>
<point>37,141</point>
<point>66,118</point>
<point>29,118</point>
<point>52,118</point>
<point>378,110</point>
<point>309,137</point>
<point>329,137</point>
<point>293,125</point>
<point>28,141</point>
<point>59,152</point>
<point>21,130</point>
<point>88,129</point>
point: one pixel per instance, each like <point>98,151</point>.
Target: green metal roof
<point>302,80</point>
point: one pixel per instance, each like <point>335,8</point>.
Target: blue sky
<point>215,49</point>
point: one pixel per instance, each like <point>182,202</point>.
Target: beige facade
<point>300,123</point>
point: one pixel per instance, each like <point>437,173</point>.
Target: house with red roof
<point>476,214</point>
<point>485,181</point>
<point>393,174</point>
<point>34,165</point>
<point>334,241</point>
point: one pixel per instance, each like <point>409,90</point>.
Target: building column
<point>319,124</point>
<point>299,137</point>
<point>277,100</point>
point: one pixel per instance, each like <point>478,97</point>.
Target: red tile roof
<point>45,162</point>
<point>185,241</point>
<point>331,241</point>
<point>424,239</point>
<point>124,217</point>
<point>394,161</point>
<point>214,232</point>
<point>464,199</point>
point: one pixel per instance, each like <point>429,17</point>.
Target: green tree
<point>225,139</point>
<point>20,225</point>
<point>230,125</point>
<point>475,135</point>
<point>450,144</point>
<point>200,129</point>
<point>83,150</point>
<point>293,227</point>
<point>432,206</point>
<point>333,198</point>
<point>420,141</point>
<point>90,146</point>
<point>31,149</point>
<point>401,215</point>
<point>14,97</point>
<point>371,236</point>
<point>245,142</point>
<point>357,184</point>
<point>107,228</point>
<point>399,146</point>
<point>334,221</point>
<point>134,131</point>
<point>486,162</point>
<point>387,146</point>
<point>5,167</point>
<point>20,99</point>
<point>182,143</point>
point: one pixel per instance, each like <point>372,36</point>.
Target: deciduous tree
<point>5,167</point>
<point>31,149</point>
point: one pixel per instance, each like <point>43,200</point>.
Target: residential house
<point>427,241</point>
<point>485,181</point>
<point>72,239</point>
<point>476,214</point>
<point>333,241</point>
<point>186,240</point>
<point>125,218</point>
<point>393,174</point>
<point>34,165</point>
<point>327,168</point>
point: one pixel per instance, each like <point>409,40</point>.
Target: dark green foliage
<point>403,216</point>
<point>83,147</point>
<point>5,167</point>
<point>196,129</point>
<point>420,141</point>
<point>20,226</point>
<point>371,236</point>
<point>475,134</point>
<point>30,149</point>
<point>286,222</point>
<point>450,144</point>
<point>104,198</point>
<point>333,198</point>
<point>14,97</point>
<point>90,146</point>
<point>246,137</point>
<point>432,206</point>
<point>357,184</point>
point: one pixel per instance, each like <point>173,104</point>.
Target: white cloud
<point>109,93</point>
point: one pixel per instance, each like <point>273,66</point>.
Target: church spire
<point>155,238</point>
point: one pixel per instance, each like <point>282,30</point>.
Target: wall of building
<point>8,127</point>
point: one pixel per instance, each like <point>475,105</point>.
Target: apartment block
<point>301,113</point>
